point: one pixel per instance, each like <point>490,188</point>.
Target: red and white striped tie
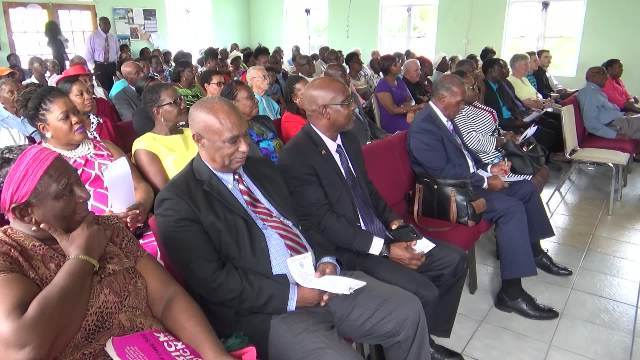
<point>292,240</point>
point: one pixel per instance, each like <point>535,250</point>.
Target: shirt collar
<point>332,145</point>
<point>439,113</point>
<point>592,85</point>
<point>226,178</point>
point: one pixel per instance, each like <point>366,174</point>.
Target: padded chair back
<point>569,129</point>
<point>389,169</point>
<point>581,131</point>
<point>277,123</point>
<point>376,109</point>
<point>126,135</point>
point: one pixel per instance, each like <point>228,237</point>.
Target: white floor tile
<point>611,265</point>
<point>573,221</point>
<point>556,353</point>
<point>476,306</point>
<point>591,340</point>
<point>536,329</point>
<point>463,329</point>
<point>564,254</point>
<point>611,314</point>
<point>607,286</point>
<point>495,343</point>
<point>615,230</point>
<point>617,248</point>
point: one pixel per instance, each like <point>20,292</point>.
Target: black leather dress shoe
<point>439,352</point>
<point>526,306</point>
<point>545,263</point>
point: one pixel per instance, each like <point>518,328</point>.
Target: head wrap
<point>24,175</point>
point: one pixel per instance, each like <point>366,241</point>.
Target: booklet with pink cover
<point>150,345</point>
<point>160,345</point>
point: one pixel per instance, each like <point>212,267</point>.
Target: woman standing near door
<point>57,42</point>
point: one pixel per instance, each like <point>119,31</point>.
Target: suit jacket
<point>542,80</point>
<point>434,151</point>
<point>511,101</point>
<point>126,102</point>
<point>363,127</point>
<point>220,252</point>
<point>322,197</point>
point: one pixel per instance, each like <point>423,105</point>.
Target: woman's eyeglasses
<point>177,101</point>
<point>217,83</point>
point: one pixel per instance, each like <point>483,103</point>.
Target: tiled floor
<point>599,316</point>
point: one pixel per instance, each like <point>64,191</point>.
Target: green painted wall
<point>230,22</point>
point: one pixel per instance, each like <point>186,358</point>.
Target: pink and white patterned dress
<point>90,169</point>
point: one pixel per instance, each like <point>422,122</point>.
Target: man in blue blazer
<point>436,149</point>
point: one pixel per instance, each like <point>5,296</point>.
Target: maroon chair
<point>586,140</point>
<point>277,123</point>
<point>126,135</point>
<point>388,166</point>
<point>153,226</point>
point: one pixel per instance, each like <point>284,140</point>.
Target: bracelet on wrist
<point>86,258</point>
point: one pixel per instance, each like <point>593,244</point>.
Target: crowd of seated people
<point>244,158</point>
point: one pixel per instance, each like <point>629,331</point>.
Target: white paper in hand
<point>119,182</point>
<point>303,272</point>
<point>423,246</point>
<point>528,133</point>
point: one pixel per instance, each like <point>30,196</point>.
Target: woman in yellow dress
<point>164,151</point>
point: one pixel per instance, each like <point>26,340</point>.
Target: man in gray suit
<point>127,100</point>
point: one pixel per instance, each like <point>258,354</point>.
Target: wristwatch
<point>385,251</point>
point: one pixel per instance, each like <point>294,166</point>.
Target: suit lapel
<point>214,186</point>
<point>447,134</point>
<point>328,161</point>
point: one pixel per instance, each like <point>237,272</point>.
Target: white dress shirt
<point>376,243</point>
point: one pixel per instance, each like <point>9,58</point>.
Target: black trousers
<point>104,73</point>
<point>437,283</point>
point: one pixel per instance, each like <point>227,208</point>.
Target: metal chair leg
<point>563,179</point>
<point>613,187</point>
<point>473,273</point>
<point>620,180</point>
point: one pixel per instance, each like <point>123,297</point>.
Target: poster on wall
<point>135,24</point>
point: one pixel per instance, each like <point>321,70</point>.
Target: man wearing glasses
<point>324,169</point>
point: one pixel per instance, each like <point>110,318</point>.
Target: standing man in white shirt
<point>102,53</point>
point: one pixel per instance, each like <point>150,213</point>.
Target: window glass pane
<point>413,27</point>
<point>307,31</point>
<point>27,26</point>
<point>423,29</point>
<point>73,23</point>
<point>528,28</point>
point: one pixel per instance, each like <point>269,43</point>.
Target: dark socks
<point>512,288</point>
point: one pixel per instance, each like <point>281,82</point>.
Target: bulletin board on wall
<point>132,24</point>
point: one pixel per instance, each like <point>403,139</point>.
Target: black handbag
<point>445,199</point>
<point>526,158</point>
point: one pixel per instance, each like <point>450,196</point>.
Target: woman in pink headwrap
<point>71,280</point>
<point>62,127</point>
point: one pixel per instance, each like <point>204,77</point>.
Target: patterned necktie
<point>292,240</point>
<point>106,49</point>
<point>464,150</point>
<point>363,202</point>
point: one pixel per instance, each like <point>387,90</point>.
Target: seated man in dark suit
<point>127,100</point>
<point>227,225</point>
<point>324,168</point>
<point>364,129</point>
<point>500,96</point>
<point>436,149</point>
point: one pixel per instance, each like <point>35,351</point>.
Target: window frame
<point>52,13</point>
<point>542,33</point>
<point>408,36</point>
